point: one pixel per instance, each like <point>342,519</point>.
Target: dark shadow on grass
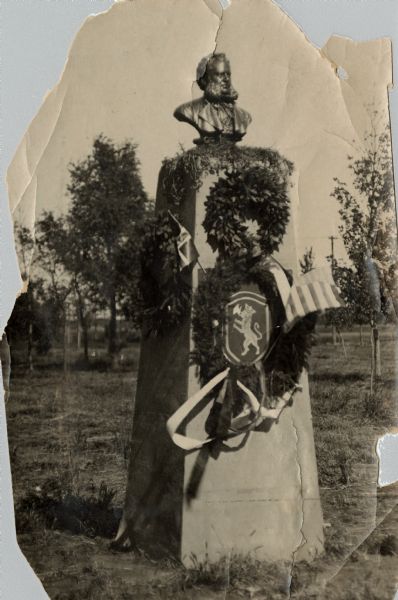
<point>389,383</point>
<point>52,508</point>
<point>99,365</point>
<point>339,378</point>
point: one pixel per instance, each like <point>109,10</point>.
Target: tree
<point>28,320</point>
<point>60,259</point>
<point>22,317</point>
<point>368,228</point>
<point>85,308</point>
<point>344,316</point>
<point>52,246</point>
<point>108,206</point>
<point>307,262</point>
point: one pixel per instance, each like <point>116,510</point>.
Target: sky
<point>294,97</point>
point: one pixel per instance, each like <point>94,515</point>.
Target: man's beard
<point>215,93</point>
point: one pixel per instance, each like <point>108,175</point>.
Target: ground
<point>69,440</point>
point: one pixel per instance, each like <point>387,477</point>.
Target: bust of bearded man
<point>215,115</point>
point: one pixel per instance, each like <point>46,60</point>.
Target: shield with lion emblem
<point>248,327</point>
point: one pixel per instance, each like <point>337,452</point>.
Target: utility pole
<point>332,238</point>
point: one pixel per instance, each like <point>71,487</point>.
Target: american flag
<point>315,291</point>
<point>186,249</point>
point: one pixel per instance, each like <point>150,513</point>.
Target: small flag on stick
<point>187,252</point>
<point>314,291</point>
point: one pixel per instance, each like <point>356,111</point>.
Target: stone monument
<point>223,459</point>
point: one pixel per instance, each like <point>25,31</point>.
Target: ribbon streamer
<point>241,424</point>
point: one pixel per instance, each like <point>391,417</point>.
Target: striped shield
<point>248,327</point>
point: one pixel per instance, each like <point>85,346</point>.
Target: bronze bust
<point>215,116</point>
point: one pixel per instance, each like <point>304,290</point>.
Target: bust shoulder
<point>244,116</point>
<point>190,110</point>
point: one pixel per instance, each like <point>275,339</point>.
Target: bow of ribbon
<point>251,416</point>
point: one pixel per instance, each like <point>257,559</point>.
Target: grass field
<point>69,439</point>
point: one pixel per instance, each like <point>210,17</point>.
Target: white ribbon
<point>240,424</point>
<point>173,423</point>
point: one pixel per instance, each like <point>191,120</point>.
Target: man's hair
<point>205,64</point>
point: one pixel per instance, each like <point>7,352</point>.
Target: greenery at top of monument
<point>188,168</point>
<point>369,231</point>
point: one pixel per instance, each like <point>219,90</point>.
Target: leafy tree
<point>368,229</point>
<point>60,259</point>
<point>52,245</point>
<point>342,317</point>
<point>108,206</point>
<point>130,296</point>
<point>31,321</point>
<point>28,320</point>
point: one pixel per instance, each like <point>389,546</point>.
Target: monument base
<point>256,495</point>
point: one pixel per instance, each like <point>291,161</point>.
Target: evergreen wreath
<point>255,194</point>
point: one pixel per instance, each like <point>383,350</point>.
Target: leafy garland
<point>288,353</point>
<point>252,187</point>
<point>254,195</point>
<point>165,289</point>
<point>187,168</point>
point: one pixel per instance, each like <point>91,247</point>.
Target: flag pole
<point>203,269</point>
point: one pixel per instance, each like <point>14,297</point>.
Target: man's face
<point>218,82</point>
<point>220,74</point>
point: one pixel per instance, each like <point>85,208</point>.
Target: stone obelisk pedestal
<point>257,494</point>
<point>260,495</point>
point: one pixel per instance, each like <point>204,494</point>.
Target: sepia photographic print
<point>202,357</point>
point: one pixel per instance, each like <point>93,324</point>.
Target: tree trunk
<point>30,329</point>
<point>85,339</point>
<point>30,347</point>
<point>334,335</point>
<point>79,335</point>
<point>376,358</point>
<point>112,329</point>
<point>5,357</point>
<point>342,342</point>
<point>65,344</point>
<point>361,336</point>
<point>82,327</point>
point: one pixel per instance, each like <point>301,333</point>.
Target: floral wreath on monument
<point>247,294</point>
